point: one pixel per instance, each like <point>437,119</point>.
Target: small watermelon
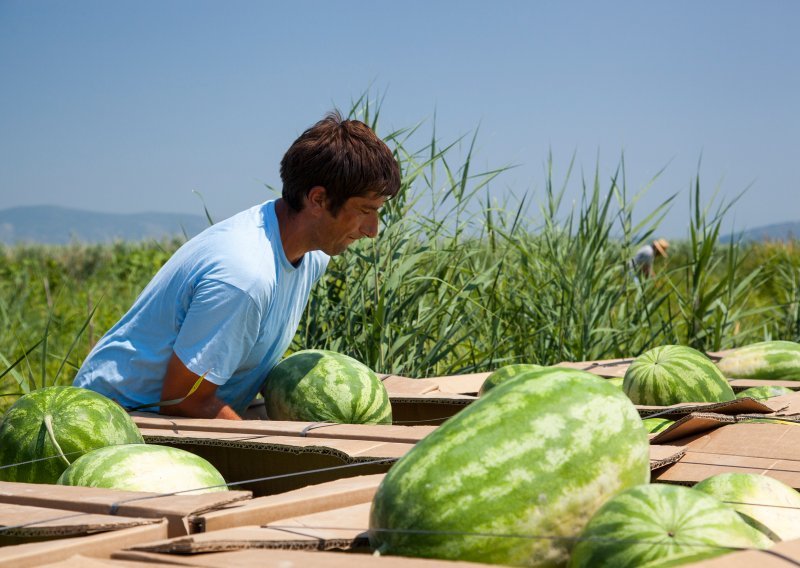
<point>661,525</point>
<point>764,502</point>
<point>764,392</point>
<point>144,467</point>
<point>763,360</point>
<point>672,374</point>
<point>47,429</point>
<point>505,373</point>
<point>535,456</point>
<point>323,386</point>
<point>655,425</point>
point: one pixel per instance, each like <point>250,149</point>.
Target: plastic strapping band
<point>304,432</point>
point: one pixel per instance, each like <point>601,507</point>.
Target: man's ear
<point>317,199</point>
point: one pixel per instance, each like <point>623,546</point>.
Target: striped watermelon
<point>672,374</point>
<point>655,425</point>
<point>144,467</point>
<point>764,360</point>
<point>534,457</point>
<point>318,385</point>
<point>764,392</point>
<point>764,502</point>
<point>662,525</point>
<point>56,425</point>
<point>504,373</point>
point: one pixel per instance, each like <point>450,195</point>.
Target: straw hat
<point>661,245</point>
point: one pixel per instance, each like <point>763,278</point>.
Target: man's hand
<point>202,403</point>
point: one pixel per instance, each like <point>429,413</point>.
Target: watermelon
<point>764,392</point>
<point>672,374</point>
<point>764,502</point>
<point>504,373</point>
<point>764,360</point>
<point>657,525</point>
<point>534,456</point>
<point>49,428</point>
<point>655,425</point>
<point>616,381</point>
<point>323,386</point>
<point>144,467</point>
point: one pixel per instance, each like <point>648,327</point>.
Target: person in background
<point>221,312</point>
<point>644,258</point>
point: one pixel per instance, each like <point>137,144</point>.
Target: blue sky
<point>128,106</point>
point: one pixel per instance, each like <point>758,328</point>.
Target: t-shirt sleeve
<point>219,330</point>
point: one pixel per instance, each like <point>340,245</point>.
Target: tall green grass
<point>456,282</point>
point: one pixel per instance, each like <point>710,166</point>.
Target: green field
<point>455,283</point>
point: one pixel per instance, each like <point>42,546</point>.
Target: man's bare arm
<point>202,403</point>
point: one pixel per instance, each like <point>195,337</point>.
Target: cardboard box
<point>760,448</point>
<point>304,501</point>
<point>100,545</point>
<point>267,428</point>
<point>423,402</point>
<point>740,406</point>
<point>176,509</point>
<point>266,464</point>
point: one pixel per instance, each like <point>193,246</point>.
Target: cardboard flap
<point>745,405</point>
<point>760,448</point>
<point>25,521</point>
<point>661,456</point>
<point>469,383</point>
<point>310,499</point>
<point>343,529</point>
<point>609,368</point>
<point>401,386</point>
<point>81,561</point>
<point>95,545</point>
<point>267,428</point>
<point>691,424</point>
<point>175,508</point>
<point>741,384</point>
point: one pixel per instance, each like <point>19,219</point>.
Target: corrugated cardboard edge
<point>97,546</point>
<point>335,529</point>
<point>691,424</point>
<point>744,405</point>
<point>291,558</point>
<point>266,428</point>
<point>661,456</point>
<point>305,501</point>
<point>29,522</point>
<point>96,500</point>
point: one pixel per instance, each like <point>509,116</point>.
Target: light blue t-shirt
<point>228,304</point>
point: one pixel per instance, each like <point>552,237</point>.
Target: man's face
<point>357,218</point>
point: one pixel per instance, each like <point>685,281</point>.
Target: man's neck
<point>290,227</point>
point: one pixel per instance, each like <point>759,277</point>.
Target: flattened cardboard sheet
<point>745,405</point>
<point>305,501</point>
<point>760,448</point>
<point>290,559</point>
<point>337,529</point>
<point>175,508</point>
<point>23,523</point>
<point>608,368</point>
<point>267,465</point>
<point>97,545</point>
<point>266,428</point>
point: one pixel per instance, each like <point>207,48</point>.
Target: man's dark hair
<point>345,157</point>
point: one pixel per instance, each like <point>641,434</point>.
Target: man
<point>223,310</point>
<point>645,256</point>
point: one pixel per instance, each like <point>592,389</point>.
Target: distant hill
<point>776,232</point>
<point>59,225</point>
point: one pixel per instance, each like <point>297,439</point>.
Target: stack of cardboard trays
<point>301,492</point>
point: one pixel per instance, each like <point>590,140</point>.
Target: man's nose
<point>369,228</point>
